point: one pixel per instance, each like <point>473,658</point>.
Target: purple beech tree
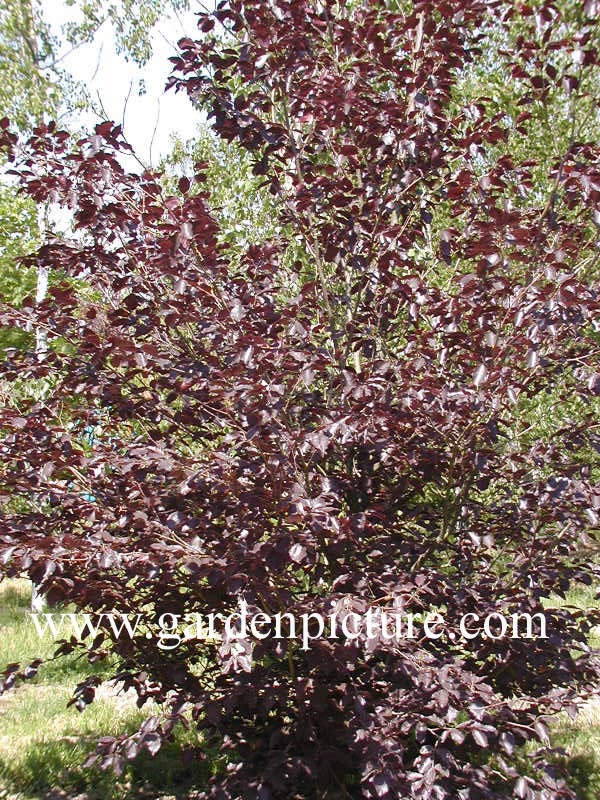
<point>351,427</point>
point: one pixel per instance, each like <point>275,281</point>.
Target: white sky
<point>110,76</point>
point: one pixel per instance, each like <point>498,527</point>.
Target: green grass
<point>19,640</point>
<point>581,740</point>
<point>43,742</point>
<point>581,737</point>
<point>580,596</point>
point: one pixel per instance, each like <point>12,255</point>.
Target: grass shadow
<point>52,769</point>
<point>584,775</point>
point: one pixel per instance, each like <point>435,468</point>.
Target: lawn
<point>43,743</point>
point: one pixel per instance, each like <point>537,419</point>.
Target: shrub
<point>344,430</point>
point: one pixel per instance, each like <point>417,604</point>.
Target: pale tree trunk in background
<point>41,338</point>
<point>38,601</point>
<point>29,35</point>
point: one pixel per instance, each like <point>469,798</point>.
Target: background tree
<point>241,204</point>
<point>36,87</point>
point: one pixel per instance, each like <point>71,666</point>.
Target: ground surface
<point>43,743</point>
